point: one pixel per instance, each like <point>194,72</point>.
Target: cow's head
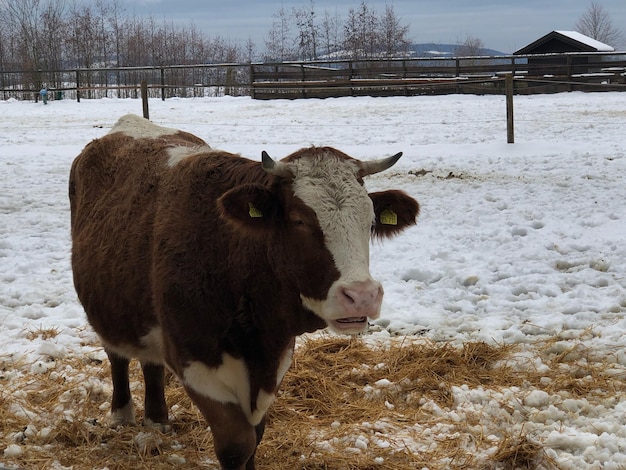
<point>319,219</point>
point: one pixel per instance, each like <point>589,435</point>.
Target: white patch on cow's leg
<point>124,415</point>
<point>284,364</point>
<point>265,399</point>
<point>227,383</point>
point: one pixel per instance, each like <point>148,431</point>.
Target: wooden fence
<point>125,82</point>
<point>478,75</point>
<point>384,77</point>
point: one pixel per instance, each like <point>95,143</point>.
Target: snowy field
<point>516,243</point>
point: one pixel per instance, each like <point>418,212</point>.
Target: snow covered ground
<point>515,242</point>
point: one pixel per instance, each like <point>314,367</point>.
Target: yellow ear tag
<point>388,217</point>
<point>253,211</point>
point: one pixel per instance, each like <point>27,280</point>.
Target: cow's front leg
<point>234,438</point>
<point>259,430</point>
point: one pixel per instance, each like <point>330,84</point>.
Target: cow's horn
<point>273,167</point>
<point>268,162</point>
<point>376,166</point>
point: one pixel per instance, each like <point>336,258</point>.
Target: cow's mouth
<point>350,323</point>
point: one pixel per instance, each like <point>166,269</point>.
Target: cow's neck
<point>261,317</point>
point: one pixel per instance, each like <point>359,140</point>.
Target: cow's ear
<point>395,211</point>
<point>250,207</point>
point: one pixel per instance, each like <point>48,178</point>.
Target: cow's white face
<point>330,186</point>
<point>318,219</point>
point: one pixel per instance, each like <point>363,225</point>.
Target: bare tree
<point>40,37</point>
<point>6,49</point>
<point>249,50</point>
<point>84,42</point>
<point>330,32</point>
<point>135,42</point>
<point>363,35</point>
<point>53,31</point>
<point>112,24</point>
<point>24,15</point>
<point>361,32</point>
<point>308,31</point>
<point>472,46</point>
<point>277,42</point>
<point>9,40</point>
<point>224,51</point>
<point>39,33</point>
<point>596,23</point>
<point>112,13</point>
<point>393,35</point>
<point>162,43</point>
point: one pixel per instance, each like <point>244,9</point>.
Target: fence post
<point>351,70</point>
<point>77,86</point>
<point>228,88</point>
<point>404,72</point>
<point>162,84</point>
<point>144,98</point>
<point>510,135</point>
<point>252,93</point>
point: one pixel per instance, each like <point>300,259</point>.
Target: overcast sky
<point>506,25</point>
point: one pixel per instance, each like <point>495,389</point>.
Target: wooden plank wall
<point>482,75</point>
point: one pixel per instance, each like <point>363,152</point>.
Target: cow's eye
<point>295,218</point>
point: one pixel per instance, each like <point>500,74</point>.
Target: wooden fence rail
<point>480,75</point>
<point>321,79</point>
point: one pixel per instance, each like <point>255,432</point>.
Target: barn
<point>564,41</point>
<point>588,57</point>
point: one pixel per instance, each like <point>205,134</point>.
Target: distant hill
<point>444,50</point>
<point>419,50</point>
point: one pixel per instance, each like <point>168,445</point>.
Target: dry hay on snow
<point>346,403</point>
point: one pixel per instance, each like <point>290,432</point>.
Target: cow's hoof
<point>161,427</point>
<point>124,416</point>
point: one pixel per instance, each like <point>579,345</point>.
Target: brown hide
<point>147,238</point>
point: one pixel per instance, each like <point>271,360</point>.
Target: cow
<point>211,264</point>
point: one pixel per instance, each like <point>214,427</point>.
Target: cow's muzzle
<point>357,302</point>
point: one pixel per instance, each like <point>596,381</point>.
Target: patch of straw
<point>346,404</point>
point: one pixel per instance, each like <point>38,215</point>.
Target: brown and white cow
<point>211,264</point>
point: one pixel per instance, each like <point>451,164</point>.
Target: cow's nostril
<point>348,297</point>
<point>360,296</point>
<point>377,295</point>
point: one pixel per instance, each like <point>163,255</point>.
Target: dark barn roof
<point>564,41</point>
